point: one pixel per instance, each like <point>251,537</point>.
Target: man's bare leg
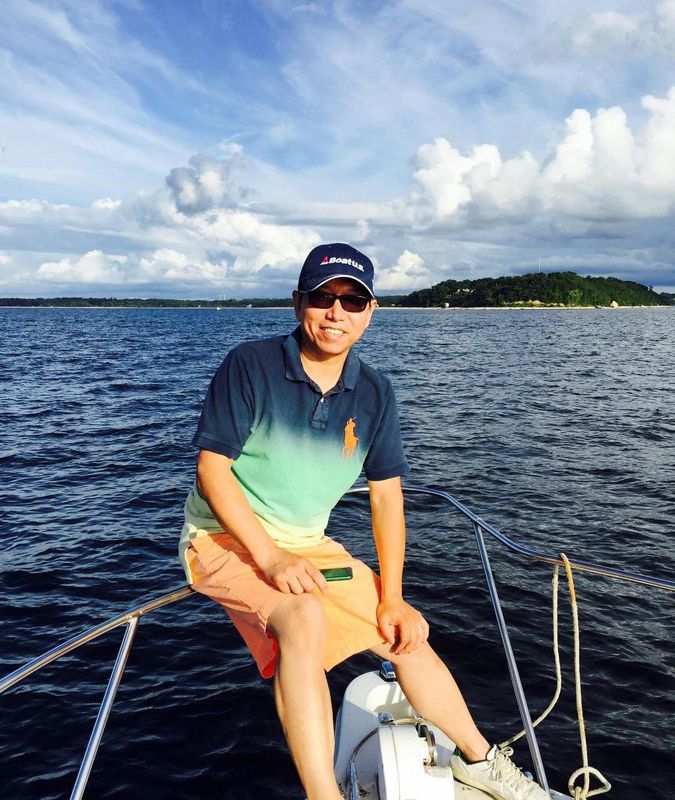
<point>301,693</point>
<point>433,693</point>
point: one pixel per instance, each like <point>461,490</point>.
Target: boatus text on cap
<point>337,260</point>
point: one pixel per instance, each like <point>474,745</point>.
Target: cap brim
<point>349,277</point>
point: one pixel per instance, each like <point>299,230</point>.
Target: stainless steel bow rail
<point>132,618</point>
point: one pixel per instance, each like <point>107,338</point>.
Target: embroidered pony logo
<point>351,439</point>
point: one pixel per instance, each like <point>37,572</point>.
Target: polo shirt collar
<point>295,371</point>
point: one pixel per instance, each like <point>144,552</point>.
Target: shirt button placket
<point>320,416</point>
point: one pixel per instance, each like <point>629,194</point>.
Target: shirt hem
<point>205,443</point>
<point>401,471</point>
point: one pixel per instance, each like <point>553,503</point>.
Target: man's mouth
<point>333,331</point>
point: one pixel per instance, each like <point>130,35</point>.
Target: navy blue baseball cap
<point>328,261</point>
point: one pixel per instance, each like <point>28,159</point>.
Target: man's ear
<point>297,303</point>
<point>369,311</point>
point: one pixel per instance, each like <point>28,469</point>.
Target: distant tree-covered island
<point>545,289</point>
<point>558,289</point>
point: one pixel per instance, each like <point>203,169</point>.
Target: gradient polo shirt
<point>296,451</point>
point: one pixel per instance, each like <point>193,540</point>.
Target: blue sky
<point>201,148</point>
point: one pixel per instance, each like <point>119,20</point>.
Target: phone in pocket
<point>337,574</point>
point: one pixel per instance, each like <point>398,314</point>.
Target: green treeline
<point>135,302</point>
<point>552,289</point>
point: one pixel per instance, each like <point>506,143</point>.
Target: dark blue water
<point>556,426</point>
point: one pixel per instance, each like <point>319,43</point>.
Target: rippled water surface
<point>556,426</point>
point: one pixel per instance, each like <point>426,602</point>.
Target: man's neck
<point>326,372</point>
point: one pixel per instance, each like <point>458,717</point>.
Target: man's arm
<point>289,572</point>
<point>402,626</point>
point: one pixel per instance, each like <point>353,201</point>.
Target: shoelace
<point>505,770</point>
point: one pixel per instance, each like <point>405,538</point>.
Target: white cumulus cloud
<point>408,272</point>
<point>452,186</point>
<point>600,170</point>
<point>207,183</point>
<point>173,266</point>
<point>252,243</point>
<point>161,266</point>
<point>91,268</point>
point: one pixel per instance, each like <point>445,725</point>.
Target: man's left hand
<point>402,626</point>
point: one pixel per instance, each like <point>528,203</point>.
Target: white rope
<point>556,658</point>
<point>577,792</point>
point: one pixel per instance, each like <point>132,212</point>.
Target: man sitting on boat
<point>288,425</point>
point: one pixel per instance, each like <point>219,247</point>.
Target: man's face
<point>330,332</point>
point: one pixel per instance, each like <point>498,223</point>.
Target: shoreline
<point>516,308</point>
<point>380,308</point>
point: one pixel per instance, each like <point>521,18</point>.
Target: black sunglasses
<point>350,302</point>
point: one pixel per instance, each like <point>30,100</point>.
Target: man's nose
<point>336,311</point>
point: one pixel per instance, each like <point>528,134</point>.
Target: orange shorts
<point>223,570</point>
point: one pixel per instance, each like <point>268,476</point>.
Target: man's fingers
<point>387,629</point>
<point>317,578</point>
<point>306,581</point>
<point>419,634</point>
<point>407,646</point>
<point>412,635</point>
<point>300,578</point>
<point>295,585</point>
<point>422,633</point>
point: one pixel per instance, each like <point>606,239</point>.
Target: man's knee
<point>300,618</point>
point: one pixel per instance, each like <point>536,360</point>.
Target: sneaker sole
<point>464,791</point>
<point>481,792</point>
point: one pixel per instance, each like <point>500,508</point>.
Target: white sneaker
<point>497,776</point>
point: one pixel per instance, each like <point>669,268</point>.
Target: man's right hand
<point>291,573</point>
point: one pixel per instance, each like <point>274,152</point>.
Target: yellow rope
<point>577,792</point>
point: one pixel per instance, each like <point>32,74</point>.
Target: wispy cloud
<point>73,115</point>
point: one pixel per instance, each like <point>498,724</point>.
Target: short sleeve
<point>227,415</point>
<point>386,458</point>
